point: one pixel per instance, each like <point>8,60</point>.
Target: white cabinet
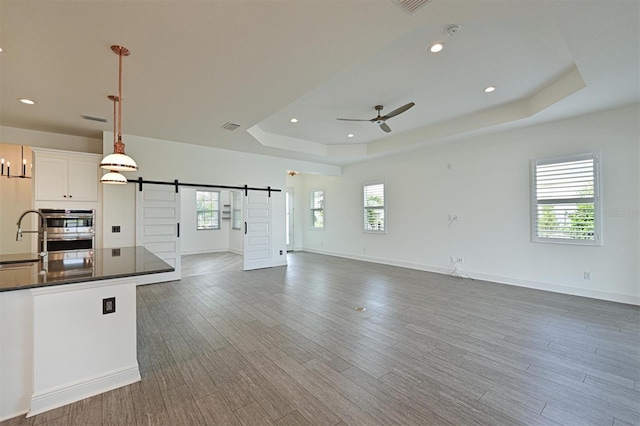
<point>68,177</point>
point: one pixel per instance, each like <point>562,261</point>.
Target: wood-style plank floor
<point>285,346</point>
<point>194,265</point>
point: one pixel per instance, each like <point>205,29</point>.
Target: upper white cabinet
<point>65,176</point>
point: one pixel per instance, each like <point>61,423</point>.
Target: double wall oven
<point>69,229</point>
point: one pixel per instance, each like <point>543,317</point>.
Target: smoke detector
<point>453,30</point>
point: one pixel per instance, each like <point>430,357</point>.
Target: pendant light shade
<point>118,161</point>
<point>113,178</point>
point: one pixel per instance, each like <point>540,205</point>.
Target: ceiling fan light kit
<point>381,119</point>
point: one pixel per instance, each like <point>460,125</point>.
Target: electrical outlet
<point>587,275</point>
<point>451,259</point>
<point>280,252</point>
<point>115,229</point>
<point>460,260</point>
<point>108,305</point>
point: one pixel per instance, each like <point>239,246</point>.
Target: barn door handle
<point>178,229</point>
<point>245,228</point>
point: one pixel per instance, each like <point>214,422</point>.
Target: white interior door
<point>158,228</point>
<point>257,230</point>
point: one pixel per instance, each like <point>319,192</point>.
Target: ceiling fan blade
<point>398,111</point>
<point>385,127</point>
<point>352,119</point>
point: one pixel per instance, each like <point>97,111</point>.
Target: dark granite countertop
<point>18,258</point>
<point>23,271</point>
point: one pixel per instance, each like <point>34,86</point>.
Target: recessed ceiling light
<point>26,101</point>
<point>294,120</point>
<point>489,89</point>
<point>350,135</point>
<point>0,49</point>
<point>436,47</point>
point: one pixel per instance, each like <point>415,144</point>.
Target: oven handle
<point>69,216</point>
<point>70,238</point>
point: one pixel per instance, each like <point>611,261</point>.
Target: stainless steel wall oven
<point>69,229</point>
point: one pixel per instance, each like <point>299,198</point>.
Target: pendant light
<point>113,177</point>
<point>119,161</point>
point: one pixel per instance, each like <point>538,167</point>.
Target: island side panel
<point>79,351</point>
<point>16,345</point>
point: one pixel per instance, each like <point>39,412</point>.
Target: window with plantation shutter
<point>566,200</point>
<point>317,209</point>
<point>374,208</point>
<point>236,219</point>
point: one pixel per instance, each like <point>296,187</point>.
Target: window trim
<point>214,210</point>
<point>312,209</point>
<point>384,207</point>
<point>597,199</point>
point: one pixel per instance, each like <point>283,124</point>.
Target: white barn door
<point>257,230</point>
<point>158,228</point>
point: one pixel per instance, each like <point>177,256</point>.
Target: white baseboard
<point>11,416</point>
<point>279,263</point>
<point>62,395</point>
<point>187,253</point>
<point>410,265</point>
<point>236,251</point>
<point>555,288</point>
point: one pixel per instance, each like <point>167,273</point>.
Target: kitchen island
<point>68,328</point>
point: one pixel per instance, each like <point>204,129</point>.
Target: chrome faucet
<point>44,254</point>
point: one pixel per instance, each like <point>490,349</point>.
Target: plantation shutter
<point>374,208</point>
<point>565,199</point>
<point>317,209</point>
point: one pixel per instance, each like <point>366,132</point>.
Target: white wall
<point>487,184</point>
<point>16,196</point>
<point>166,161</point>
<point>50,140</point>
<point>195,241</point>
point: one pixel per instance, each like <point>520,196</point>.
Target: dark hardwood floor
<point>285,346</point>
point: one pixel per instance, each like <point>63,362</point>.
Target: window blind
<point>317,209</point>
<point>565,199</point>
<point>374,207</point>
<point>237,210</point>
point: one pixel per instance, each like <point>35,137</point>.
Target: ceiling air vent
<point>93,118</point>
<point>410,6</point>
<point>230,126</point>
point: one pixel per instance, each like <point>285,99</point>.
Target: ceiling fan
<point>381,119</point>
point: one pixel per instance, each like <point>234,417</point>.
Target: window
<point>374,209</point>
<point>236,222</point>
<point>317,209</point>
<point>566,200</point>
<point>208,209</point>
